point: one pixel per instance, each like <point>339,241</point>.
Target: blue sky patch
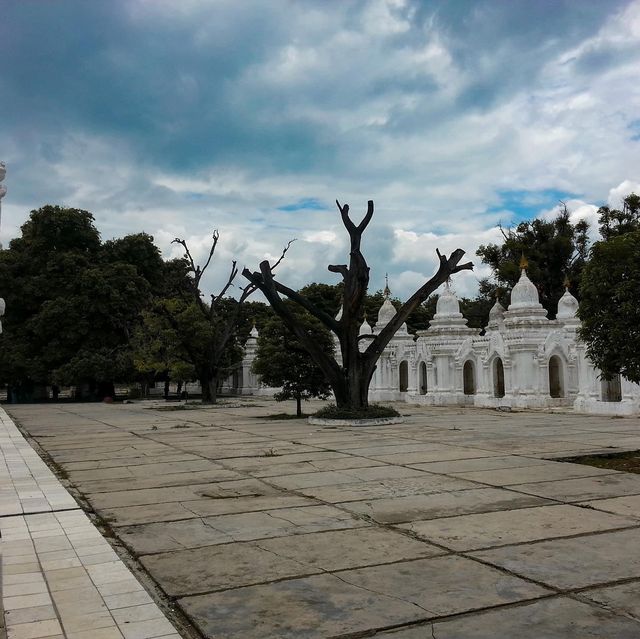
<point>306,204</point>
<point>526,205</point>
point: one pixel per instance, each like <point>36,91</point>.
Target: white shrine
<point>523,360</point>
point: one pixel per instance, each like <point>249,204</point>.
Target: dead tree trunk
<point>349,381</point>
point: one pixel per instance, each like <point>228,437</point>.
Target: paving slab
<point>544,472</point>
<point>584,488</point>
<point>221,490</point>
<point>424,485</point>
<point>347,476</point>
<point>573,563</point>
<point>556,618</point>
<point>344,549</point>
<point>161,480</point>
<point>214,568</point>
<point>471,532</point>
<point>478,463</point>
<point>444,585</point>
<point>311,608</point>
<point>628,506</point>
<point>193,533</point>
<point>281,529</point>
<point>623,598</point>
<point>174,511</point>
<point>445,504</point>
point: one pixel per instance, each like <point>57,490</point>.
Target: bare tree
<point>206,330</point>
<point>350,380</point>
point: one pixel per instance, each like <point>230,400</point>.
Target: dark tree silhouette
<point>351,378</point>
<point>208,330</point>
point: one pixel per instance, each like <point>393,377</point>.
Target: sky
<point>253,116</point>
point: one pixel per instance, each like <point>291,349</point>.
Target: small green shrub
<point>375,411</point>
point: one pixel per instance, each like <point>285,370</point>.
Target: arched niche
<point>498,377</point>
<point>403,374</point>
<point>469,378</point>
<point>556,377</point>
<point>423,378</point>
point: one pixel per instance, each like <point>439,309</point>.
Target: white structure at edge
<point>523,360</point>
<point>3,192</point>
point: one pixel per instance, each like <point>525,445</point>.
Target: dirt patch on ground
<point>628,462</point>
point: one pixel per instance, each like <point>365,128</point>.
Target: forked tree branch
<point>447,267</point>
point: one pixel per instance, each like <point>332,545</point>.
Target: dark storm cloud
<point>165,113</point>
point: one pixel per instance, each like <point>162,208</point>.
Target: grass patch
<point>375,411</point>
<point>628,462</point>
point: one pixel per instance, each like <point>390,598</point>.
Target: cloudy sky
<point>253,116</point>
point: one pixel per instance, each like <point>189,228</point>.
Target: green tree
<point>281,361</point>
<point>615,222</point>
<point>73,304</point>
<point>157,352</point>
<point>209,332</point>
<point>610,306</point>
<point>556,250</point>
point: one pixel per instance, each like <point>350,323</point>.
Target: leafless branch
<point>216,235</point>
<point>284,252</point>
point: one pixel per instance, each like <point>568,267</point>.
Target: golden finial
<point>387,291</point>
<point>567,282</point>
<point>523,262</point>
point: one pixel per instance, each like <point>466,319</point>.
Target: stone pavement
<point>60,577</point>
<point>456,524</point>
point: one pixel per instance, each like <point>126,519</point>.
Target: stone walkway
<point>60,577</point>
<point>457,524</point>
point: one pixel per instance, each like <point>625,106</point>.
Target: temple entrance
<point>498,378</point>
<point>611,389</point>
<point>237,380</point>
<point>556,381</point>
<point>469,378</point>
<point>404,377</point>
<point>423,378</point>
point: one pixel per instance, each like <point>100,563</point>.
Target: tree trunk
<point>349,380</point>
<point>298,405</point>
<point>209,387</point>
<point>166,389</point>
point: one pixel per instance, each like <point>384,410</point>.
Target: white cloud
<point>431,118</point>
<point>617,194</point>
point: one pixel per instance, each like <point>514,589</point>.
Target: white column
<point>3,192</point>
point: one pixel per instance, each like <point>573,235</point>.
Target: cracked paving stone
<point>425,485</point>
<point>622,598</point>
<point>212,568</point>
<point>193,533</point>
<point>310,608</point>
<point>556,618</point>
<point>447,504</point>
<point>343,549</point>
<point>573,563</point>
<point>223,490</point>
<point>444,585</point>
<point>174,511</point>
<point>472,532</point>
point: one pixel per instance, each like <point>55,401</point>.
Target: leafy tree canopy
<point>609,308</point>
<point>281,361</point>
<point>556,250</point>
<point>72,301</point>
<point>615,222</point>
